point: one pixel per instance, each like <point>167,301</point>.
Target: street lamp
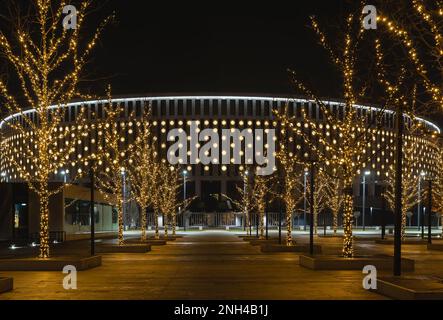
<point>185,173</point>
<point>420,217</point>
<point>123,172</point>
<point>63,173</point>
<point>304,199</point>
<point>245,177</point>
<point>367,173</point>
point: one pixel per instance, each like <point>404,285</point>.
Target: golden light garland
<point>47,62</point>
<point>343,151</point>
<point>335,199</point>
<point>321,183</point>
<point>142,168</point>
<point>413,48</point>
<point>112,153</point>
<point>348,216</point>
<point>409,181</point>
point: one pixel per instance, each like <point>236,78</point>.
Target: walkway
<point>201,265</point>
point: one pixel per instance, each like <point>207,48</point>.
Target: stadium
<point>208,181</point>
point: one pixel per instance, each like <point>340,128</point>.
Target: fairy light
<point>112,154</point>
<point>342,151</point>
<point>43,84</point>
<point>413,48</point>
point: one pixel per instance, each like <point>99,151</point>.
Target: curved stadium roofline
<point>171,96</point>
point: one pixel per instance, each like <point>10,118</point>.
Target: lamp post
<point>429,211</point>
<point>420,216</point>
<point>370,212</point>
<point>245,182</point>
<point>304,199</point>
<point>311,207</point>
<point>185,173</point>
<point>367,173</point>
<point>92,200</point>
<point>63,173</point>
<point>123,172</point>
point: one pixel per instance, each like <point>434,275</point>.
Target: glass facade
<point>78,219</point>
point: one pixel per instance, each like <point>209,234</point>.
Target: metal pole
<point>430,212</point>
<point>304,201</point>
<point>398,191</point>
<point>184,200</point>
<point>364,198</point>
<point>419,202</point>
<point>124,199</point>
<point>279,226</point>
<point>324,222</point>
<point>244,195</point>
<point>92,181</point>
<point>311,207</point>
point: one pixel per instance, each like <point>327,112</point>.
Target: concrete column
<point>223,185</point>
<point>198,187</point>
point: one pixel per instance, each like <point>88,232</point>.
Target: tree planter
<point>330,262</point>
<point>126,248</point>
<point>258,242</point>
<point>152,242</point>
<point>435,246</point>
<point>410,287</point>
<point>6,284</point>
<point>50,264</point>
<point>405,241</point>
<point>268,248</point>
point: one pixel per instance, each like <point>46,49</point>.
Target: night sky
<point>212,47</point>
<point>218,48</point>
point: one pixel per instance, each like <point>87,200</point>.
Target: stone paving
<point>212,265</point>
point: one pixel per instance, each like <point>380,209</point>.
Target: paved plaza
<point>212,265</point>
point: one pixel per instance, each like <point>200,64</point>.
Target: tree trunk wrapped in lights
<point>335,199</point>
<point>339,143</point>
<point>291,175</point>
<point>112,158</point>
<point>168,190</point>
<point>142,167</point>
<point>246,201</point>
<point>322,181</point>
<point>47,61</point>
<point>348,216</point>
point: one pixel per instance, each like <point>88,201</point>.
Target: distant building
<point>19,214</point>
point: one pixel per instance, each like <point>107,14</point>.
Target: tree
<point>321,183</point>
<point>409,180</point>
<point>438,187</point>
<point>112,159</point>
<point>47,60</point>
<point>168,193</point>
<point>417,26</point>
<point>246,201</point>
<point>291,175</point>
<point>339,145</point>
<point>142,166</point>
<point>334,191</point>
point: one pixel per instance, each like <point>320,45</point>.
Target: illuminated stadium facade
<point>217,113</point>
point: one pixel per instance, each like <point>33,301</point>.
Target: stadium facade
<point>19,216</point>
